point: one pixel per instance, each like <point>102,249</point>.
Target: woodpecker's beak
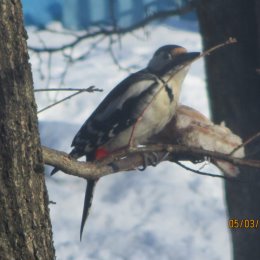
<point>186,58</point>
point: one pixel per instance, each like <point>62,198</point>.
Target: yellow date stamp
<point>243,223</point>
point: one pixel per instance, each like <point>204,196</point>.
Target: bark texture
<point>234,91</point>
<point>25,228</point>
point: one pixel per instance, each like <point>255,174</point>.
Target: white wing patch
<point>135,90</point>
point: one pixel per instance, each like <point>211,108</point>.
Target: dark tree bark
<point>234,92</point>
<point>25,228</point>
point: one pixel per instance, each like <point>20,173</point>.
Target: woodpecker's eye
<point>167,56</point>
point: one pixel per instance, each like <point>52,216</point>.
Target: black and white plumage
<point>137,108</point>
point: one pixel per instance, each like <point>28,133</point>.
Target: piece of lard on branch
<point>191,128</point>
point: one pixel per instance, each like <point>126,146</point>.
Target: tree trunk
<point>234,92</point>
<point>25,228</point>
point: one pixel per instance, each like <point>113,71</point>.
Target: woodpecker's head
<point>170,59</point>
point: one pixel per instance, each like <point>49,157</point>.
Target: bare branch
<point>203,173</point>
<point>89,89</point>
<point>68,64</point>
<point>115,30</point>
<point>86,53</point>
<point>229,41</point>
<point>248,141</point>
<point>113,56</point>
<point>71,166</point>
<point>132,158</point>
<point>49,70</point>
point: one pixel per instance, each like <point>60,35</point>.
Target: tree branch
<point>130,159</point>
<point>78,91</point>
<point>89,89</point>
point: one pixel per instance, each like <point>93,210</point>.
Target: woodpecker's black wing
<point>119,110</point>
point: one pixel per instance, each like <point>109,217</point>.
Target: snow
<point>162,213</point>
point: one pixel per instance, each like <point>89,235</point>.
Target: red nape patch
<point>101,153</point>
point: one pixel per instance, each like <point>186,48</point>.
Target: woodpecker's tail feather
<point>75,153</point>
<point>87,203</point>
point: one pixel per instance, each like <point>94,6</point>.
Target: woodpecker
<point>136,109</point>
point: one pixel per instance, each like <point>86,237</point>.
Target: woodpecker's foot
<point>114,166</point>
<point>152,159</point>
<point>164,156</point>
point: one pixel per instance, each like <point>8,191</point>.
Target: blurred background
<point>81,14</point>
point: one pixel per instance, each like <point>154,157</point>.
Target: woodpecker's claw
<point>164,156</point>
<point>114,166</point>
<point>149,159</point>
<point>143,167</point>
<point>156,158</point>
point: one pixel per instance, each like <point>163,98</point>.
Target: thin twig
<point>40,71</point>
<point>58,102</point>
<point>113,56</point>
<point>230,40</point>
<point>203,173</point>
<point>49,75</point>
<point>226,178</point>
<point>249,140</point>
<point>66,69</point>
<point>90,49</point>
<point>90,89</point>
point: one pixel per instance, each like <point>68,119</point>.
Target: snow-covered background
<point>163,213</point>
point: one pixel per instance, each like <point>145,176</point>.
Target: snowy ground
<point>162,213</point>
